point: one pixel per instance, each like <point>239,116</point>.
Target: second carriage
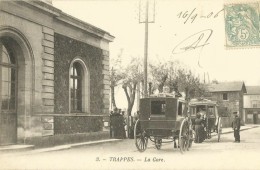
<point>208,109</point>
<point>163,118</point>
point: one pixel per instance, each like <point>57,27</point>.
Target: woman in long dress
<point>198,129</point>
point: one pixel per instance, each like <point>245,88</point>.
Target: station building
<point>252,105</point>
<point>54,72</point>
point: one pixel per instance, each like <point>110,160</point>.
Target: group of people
<point>200,129</point>
<point>117,123</point>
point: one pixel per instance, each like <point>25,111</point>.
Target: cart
<point>209,110</point>
<point>163,118</point>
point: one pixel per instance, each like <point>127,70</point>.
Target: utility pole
<point>146,48</point>
<point>146,21</point>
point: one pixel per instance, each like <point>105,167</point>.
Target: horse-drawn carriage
<point>209,111</point>
<point>163,118</point>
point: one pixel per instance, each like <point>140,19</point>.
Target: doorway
<point>255,116</point>
<point>8,93</point>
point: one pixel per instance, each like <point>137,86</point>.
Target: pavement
<point>246,127</point>
<point>30,148</point>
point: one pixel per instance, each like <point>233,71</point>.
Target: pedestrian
<point>202,112</point>
<point>204,127</point>
<point>198,129</point>
<point>236,127</point>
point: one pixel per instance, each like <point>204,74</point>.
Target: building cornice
<point>59,15</point>
<point>43,7</point>
<point>85,26</point>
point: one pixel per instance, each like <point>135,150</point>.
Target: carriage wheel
<point>219,128</point>
<point>208,129</point>
<point>192,136</point>
<point>184,136</point>
<point>140,137</point>
<point>158,143</point>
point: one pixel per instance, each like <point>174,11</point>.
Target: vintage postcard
<point>130,84</point>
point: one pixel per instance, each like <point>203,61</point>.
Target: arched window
<point>76,87</point>
<point>79,87</point>
<point>8,79</point>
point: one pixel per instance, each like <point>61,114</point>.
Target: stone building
<point>229,96</point>
<point>54,72</point>
<point>252,105</point>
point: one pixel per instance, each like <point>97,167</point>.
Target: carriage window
<point>201,109</point>
<point>158,107</point>
<point>180,109</point>
<point>211,110</point>
<point>193,110</point>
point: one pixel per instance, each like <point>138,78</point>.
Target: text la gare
<point>154,159</point>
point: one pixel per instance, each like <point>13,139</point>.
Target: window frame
<point>223,96</point>
<point>9,66</point>
<point>85,87</point>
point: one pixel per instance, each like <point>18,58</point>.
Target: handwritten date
<point>191,16</point>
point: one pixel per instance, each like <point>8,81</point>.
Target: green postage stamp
<point>242,25</point>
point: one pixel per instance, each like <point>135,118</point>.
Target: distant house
<point>252,105</point>
<point>229,96</point>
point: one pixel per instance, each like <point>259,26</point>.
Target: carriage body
<point>210,112</point>
<point>163,117</point>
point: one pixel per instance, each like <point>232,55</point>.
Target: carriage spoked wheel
<point>219,128</point>
<point>141,140</point>
<point>192,135</point>
<point>184,136</point>
<point>158,143</point>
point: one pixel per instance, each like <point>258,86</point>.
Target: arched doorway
<point>16,86</point>
<point>8,94</point>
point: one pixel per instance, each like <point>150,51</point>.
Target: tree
<point>188,83</point>
<point>159,74</point>
<point>177,78</point>
<point>132,76</point>
<point>162,74</point>
<point>115,76</point>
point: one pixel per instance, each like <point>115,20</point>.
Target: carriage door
<point>8,127</point>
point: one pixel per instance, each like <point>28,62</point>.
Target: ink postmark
<point>242,25</point>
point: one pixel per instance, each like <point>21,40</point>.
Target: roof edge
<point>62,16</point>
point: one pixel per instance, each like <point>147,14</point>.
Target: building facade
<point>230,98</point>
<point>54,72</point>
<point>252,105</point>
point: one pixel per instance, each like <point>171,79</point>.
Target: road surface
<point>124,155</point>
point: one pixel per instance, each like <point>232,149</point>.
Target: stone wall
<point>66,49</point>
<point>233,104</point>
<point>77,124</point>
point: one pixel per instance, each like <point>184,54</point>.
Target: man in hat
<point>236,127</point>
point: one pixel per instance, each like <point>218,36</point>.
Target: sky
<point>175,21</point>
<point>121,19</point>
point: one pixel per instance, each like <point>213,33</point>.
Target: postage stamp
<point>242,25</point>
